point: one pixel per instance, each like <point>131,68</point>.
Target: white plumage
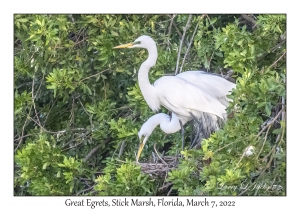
<point>189,93</point>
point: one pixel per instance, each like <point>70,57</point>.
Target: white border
<point>8,8</point>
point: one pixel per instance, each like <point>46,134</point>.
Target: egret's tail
<point>203,126</point>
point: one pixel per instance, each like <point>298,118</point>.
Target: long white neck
<point>147,89</point>
<point>172,125</point>
<point>167,124</point>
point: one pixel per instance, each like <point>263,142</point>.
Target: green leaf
<point>23,20</point>
<point>114,33</point>
<point>277,131</point>
<point>45,165</point>
<point>268,109</point>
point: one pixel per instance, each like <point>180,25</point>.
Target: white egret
<point>219,88</point>
<point>174,93</point>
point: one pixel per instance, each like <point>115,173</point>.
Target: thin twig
<point>227,146</point>
<point>170,26</point>
<point>282,41</point>
<point>209,21</point>
<point>50,111</point>
<point>80,136</point>
<point>171,19</point>
<point>277,60</point>
<point>92,152</point>
<point>158,155</point>
<point>94,75</point>
<point>246,17</point>
<point>255,137</point>
<point>264,128</point>
<point>90,117</point>
<point>178,31</point>
<point>164,186</point>
<point>86,190</point>
<point>22,135</point>
<point>72,146</point>
<point>181,42</point>
<point>212,55</point>
<point>121,149</point>
<point>116,150</point>
<point>263,142</point>
<point>191,41</point>
<point>33,97</point>
<point>72,112</point>
<point>272,157</point>
<point>25,136</point>
<point>169,191</point>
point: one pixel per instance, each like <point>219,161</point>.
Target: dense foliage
<point>78,107</point>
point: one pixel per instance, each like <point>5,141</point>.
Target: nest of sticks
<point>160,167</point>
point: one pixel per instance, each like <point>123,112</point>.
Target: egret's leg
<point>195,140</point>
<point>198,130</point>
<point>182,134</point>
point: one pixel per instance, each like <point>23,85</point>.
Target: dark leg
<point>182,133</point>
<point>197,128</point>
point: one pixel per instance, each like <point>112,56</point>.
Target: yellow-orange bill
<point>124,46</point>
<point>140,151</point>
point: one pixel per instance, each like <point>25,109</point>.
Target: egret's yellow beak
<point>124,45</point>
<point>140,151</point>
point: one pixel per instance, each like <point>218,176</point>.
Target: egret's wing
<point>212,79</point>
<point>182,97</point>
<point>214,85</point>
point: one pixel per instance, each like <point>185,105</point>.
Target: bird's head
<point>143,136</point>
<point>143,41</point>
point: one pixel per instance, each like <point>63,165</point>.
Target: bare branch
<point>121,149</point>
<point>158,154</point>
<point>95,149</point>
<point>170,26</point>
<point>246,17</point>
<point>263,142</point>
<point>94,75</point>
<point>181,42</point>
<point>22,135</point>
<point>82,191</point>
<point>191,41</point>
<point>277,60</point>
<point>92,152</point>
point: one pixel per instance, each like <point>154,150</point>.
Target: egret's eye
<point>137,42</point>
